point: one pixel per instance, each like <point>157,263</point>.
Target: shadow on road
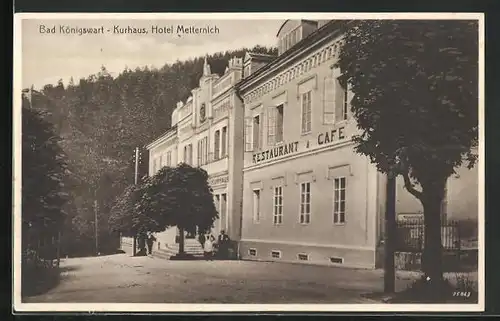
<point>39,281</point>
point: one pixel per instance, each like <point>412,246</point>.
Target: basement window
<point>276,254</point>
<point>337,260</point>
<point>303,257</point>
<point>252,252</point>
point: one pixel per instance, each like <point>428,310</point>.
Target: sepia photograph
<point>248,162</point>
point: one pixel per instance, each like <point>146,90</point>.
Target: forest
<point>98,122</point>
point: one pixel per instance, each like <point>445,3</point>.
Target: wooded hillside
<point>100,120</point>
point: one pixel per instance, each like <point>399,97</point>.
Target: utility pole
<point>136,179</point>
<point>390,234</point>
<point>96,220</point>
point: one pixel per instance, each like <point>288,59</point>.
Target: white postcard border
<point>18,306</point>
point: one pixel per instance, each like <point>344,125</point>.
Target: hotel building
<point>307,196</point>
<point>274,135</point>
<point>205,132</point>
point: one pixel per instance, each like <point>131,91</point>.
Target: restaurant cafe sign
<point>292,148</point>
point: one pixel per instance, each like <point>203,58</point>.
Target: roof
<point>258,56</point>
<point>307,43</point>
<point>301,20</point>
<point>164,136</point>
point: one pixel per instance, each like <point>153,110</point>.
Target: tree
<point>415,86</point>
<point>44,171</point>
<point>175,196</point>
<point>180,196</point>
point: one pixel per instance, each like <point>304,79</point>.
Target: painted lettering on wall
<point>278,151</point>
<point>331,136</point>
<point>218,180</point>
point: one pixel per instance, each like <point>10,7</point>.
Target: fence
<point>411,233</point>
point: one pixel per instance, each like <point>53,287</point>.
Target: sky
<point>48,57</point>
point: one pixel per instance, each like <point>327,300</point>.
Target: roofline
<point>165,135</point>
<point>283,24</point>
<point>317,35</point>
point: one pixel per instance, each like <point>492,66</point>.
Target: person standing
<point>150,242</point>
<point>208,248</point>
<point>223,245</point>
<point>201,239</point>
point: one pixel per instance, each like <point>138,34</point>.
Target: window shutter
<point>248,134</point>
<point>271,125</point>
<point>339,101</point>
<point>329,101</point>
<point>261,129</point>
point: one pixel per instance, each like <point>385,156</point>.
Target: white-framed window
<point>275,124</point>
<point>306,112</point>
<point>305,203</point>
<point>188,154</point>
<point>203,151</point>
<point>256,205</point>
<point>169,159</point>
<point>216,145</point>
<point>278,205</point>
<point>339,200</point>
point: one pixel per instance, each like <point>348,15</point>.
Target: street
<point>124,279</point>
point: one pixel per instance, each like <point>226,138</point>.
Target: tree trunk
<point>181,240</point>
<point>432,256</point>
<point>390,235</point>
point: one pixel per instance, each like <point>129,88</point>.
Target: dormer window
<point>292,32</point>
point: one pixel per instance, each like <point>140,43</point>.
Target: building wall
<point>318,156</point>
<point>225,173</point>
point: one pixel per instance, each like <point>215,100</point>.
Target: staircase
<point>191,246</point>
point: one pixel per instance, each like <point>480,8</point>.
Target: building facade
<point>307,196</point>
<point>205,132</point>
<point>274,135</point>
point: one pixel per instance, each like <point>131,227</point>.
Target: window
<point>188,154</point>
<point>275,125</point>
<point>256,205</point>
<point>169,159</point>
<point>252,252</point>
<point>276,254</point>
<point>256,133</point>
<point>339,200</point>
<point>303,256</point>
<point>216,144</point>
<point>223,141</point>
<point>202,151</point>
<point>306,112</point>
<point>278,205</point>
<point>248,134</point>
<point>305,203</point>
